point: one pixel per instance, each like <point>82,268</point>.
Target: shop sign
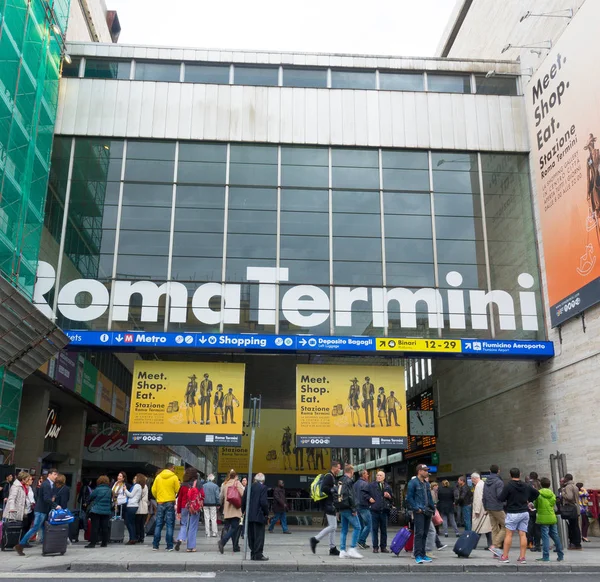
<point>108,439</point>
<point>351,407</point>
<point>52,427</point>
<point>304,306</point>
<point>65,369</point>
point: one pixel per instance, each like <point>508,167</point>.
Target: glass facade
<point>30,61</point>
<point>347,222</point>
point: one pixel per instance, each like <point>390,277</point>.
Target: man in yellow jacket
<point>165,488</point>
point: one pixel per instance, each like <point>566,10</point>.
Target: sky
<point>375,27</point>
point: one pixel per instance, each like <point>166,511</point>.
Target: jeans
<point>379,524</point>
<point>422,522</point>
<point>232,525</point>
<point>130,522</point>
<point>165,514</point>
<point>348,518</point>
<point>467,512</point>
<point>449,517</point>
<point>330,529</point>
<point>277,517</point>
<point>366,522</point>
<point>551,531</point>
<point>189,528</point>
<point>38,521</point>
<point>210,520</point>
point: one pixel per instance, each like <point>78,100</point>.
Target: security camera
<point>490,74</point>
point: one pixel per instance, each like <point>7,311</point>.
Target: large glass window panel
<point>301,77</point>
<point>457,205</point>
<point>458,228</point>
<point>306,271</point>
<point>202,152</point>
<point>200,197</point>
<point>357,273</point>
<point>474,276</point>
<point>405,159</point>
<point>411,274</point>
<point>150,150</point>
<point>97,160</point>
<point>71,69</point>
<point>455,172</point>
<point>396,179</point>
<point>253,198</point>
<point>304,156</point>
<point>460,251</point>
<point>252,75</point>
<point>356,201</point>
<point>286,327</point>
<point>350,249</point>
<point>305,247</point>
<point>106,69</point>
<point>200,73</point>
<point>305,176</point>
<point>249,314</point>
<point>252,221</point>
<point>253,165</point>
<point>304,223</point>
<point>448,83</point>
<point>361,316</point>
<point>407,250</point>
<point>149,171</point>
<point>147,195</point>
<point>201,172</point>
<point>401,226</point>
<point>201,269</point>
<point>496,85</point>
<point>146,71</point>
<point>354,158</point>
<point>406,203</point>
<point>251,246</point>
<point>199,220</point>
<point>141,267</point>
<point>237,267</point>
<point>356,225</point>
<point>349,79</point>
<point>198,244</point>
<point>310,200</point>
<point>139,218</point>
<point>355,178</point>
<point>134,242</point>
<point>192,323</point>
<point>401,81</point>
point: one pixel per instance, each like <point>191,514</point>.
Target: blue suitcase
<point>466,543</point>
<point>400,540</point>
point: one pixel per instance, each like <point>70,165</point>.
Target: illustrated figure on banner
<point>353,402</point>
<point>228,401</point>
<point>218,403</point>
<point>286,448</point>
<point>368,395</point>
<point>190,398</point>
<point>206,387</point>
<point>381,406</point>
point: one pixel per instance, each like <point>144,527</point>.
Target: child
<point>546,518</point>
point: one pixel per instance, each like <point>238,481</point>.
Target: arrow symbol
<point>303,342</point>
<point>202,340</point>
<point>382,343</point>
<point>119,338</point>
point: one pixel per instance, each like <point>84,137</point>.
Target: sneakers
<point>334,551</point>
<point>560,559</point>
<point>521,561</point>
<point>427,560</point>
<point>177,545</point>
<point>442,547</point>
<point>497,553</point>
<point>154,549</point>
<point>221,547</point>
<point>344,554</point>
<point>353,553</point>
<point>313,544</point>
<point>170,549</point>
<point>363,546</point>
<point>542,559</point>
<point>418,560</point>
<point>503,559</point>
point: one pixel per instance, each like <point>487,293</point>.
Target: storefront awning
<point>27,337</point>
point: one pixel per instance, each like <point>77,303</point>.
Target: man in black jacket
<point>280,508</point>
<point>362,497</point>
<point>328,487</point>
<point>44,504</point>
<point>257,515</point>
<point>381,501</point>
<point>495,509</point>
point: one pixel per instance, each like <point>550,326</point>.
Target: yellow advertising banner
<point>351,406</point>
<point>186,403</point>
<point>275,450</point>
<point>104,391</point>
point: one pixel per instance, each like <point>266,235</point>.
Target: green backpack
<point>316,488</point>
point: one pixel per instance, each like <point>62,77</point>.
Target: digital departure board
<point>421,444</point>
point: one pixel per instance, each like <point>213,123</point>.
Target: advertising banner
<point>65,369</point>
<point>186,403</point>
<point>351,406</point>
<point>275,450</point>
<point>89,379</point>
<point>104,390</point>
<point>119,402</point>
<point>564,124</point>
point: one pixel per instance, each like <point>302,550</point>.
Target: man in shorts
<point>517,496</point>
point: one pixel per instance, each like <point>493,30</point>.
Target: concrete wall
<point>80,12</point>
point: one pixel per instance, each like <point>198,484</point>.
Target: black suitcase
<point>466,543</point>
<point>117,531</point>
<point>74,530</point>
<point>11,534</point>
<point>150,526</point>
<point>56,538</point>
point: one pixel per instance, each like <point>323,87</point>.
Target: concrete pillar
<point>29,445</point>
<point>72,436</point>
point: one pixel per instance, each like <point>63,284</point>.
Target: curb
<point>314,568</point>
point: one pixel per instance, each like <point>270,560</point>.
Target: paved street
<point>289,554</point>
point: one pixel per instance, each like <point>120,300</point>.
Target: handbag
<point>437,518</point>
<point>233,496</point>
<point>568,511</point>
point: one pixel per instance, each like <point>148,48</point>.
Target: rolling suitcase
<point>10,534</point>
<point>74,530</point>
<point>56,538</point>
<point>466,543</point>
<point>117,530</point>
<point>400,540</point>
<point>150,526</point>
<point>87,536</point>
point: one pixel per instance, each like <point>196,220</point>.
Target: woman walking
<point>133,503</point>
<point>189,518</point>
<point>100,511</point>
<point>446,507</point>
<point>142,512</point>
<point>18,504</point>
<point>230,490</point>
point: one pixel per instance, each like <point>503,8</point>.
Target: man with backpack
<point>323,490</point>
<point>344,502</point>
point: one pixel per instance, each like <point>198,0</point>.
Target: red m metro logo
<point>128,338</point>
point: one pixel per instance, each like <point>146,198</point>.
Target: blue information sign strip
<point>270,342</point>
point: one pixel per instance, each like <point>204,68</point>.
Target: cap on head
<point>422,468</point>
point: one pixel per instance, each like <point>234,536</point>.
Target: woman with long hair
<point>62,493</point>
<point>446,507</point>
<point>142,511</point>
<point>133,503</point>
<point>189,519</point>
<point>119,493</point>
<point>19,504</point>
<point>231,513</point>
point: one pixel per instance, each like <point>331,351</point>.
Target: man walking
<point>257,516</point>
<point>362,497</point>
<point>44,504</point>
<point>517,495</point>
<point>211,502</point>
<point>495,509</point>
<point>346,505</point>
<point>465,501</point>
<point>381,501</point>
<point>420,502</point>
<point>165,489</point>
<point>328,487</point>
<point>280,508</point>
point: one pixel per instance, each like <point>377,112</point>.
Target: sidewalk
<point>289,553</point>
